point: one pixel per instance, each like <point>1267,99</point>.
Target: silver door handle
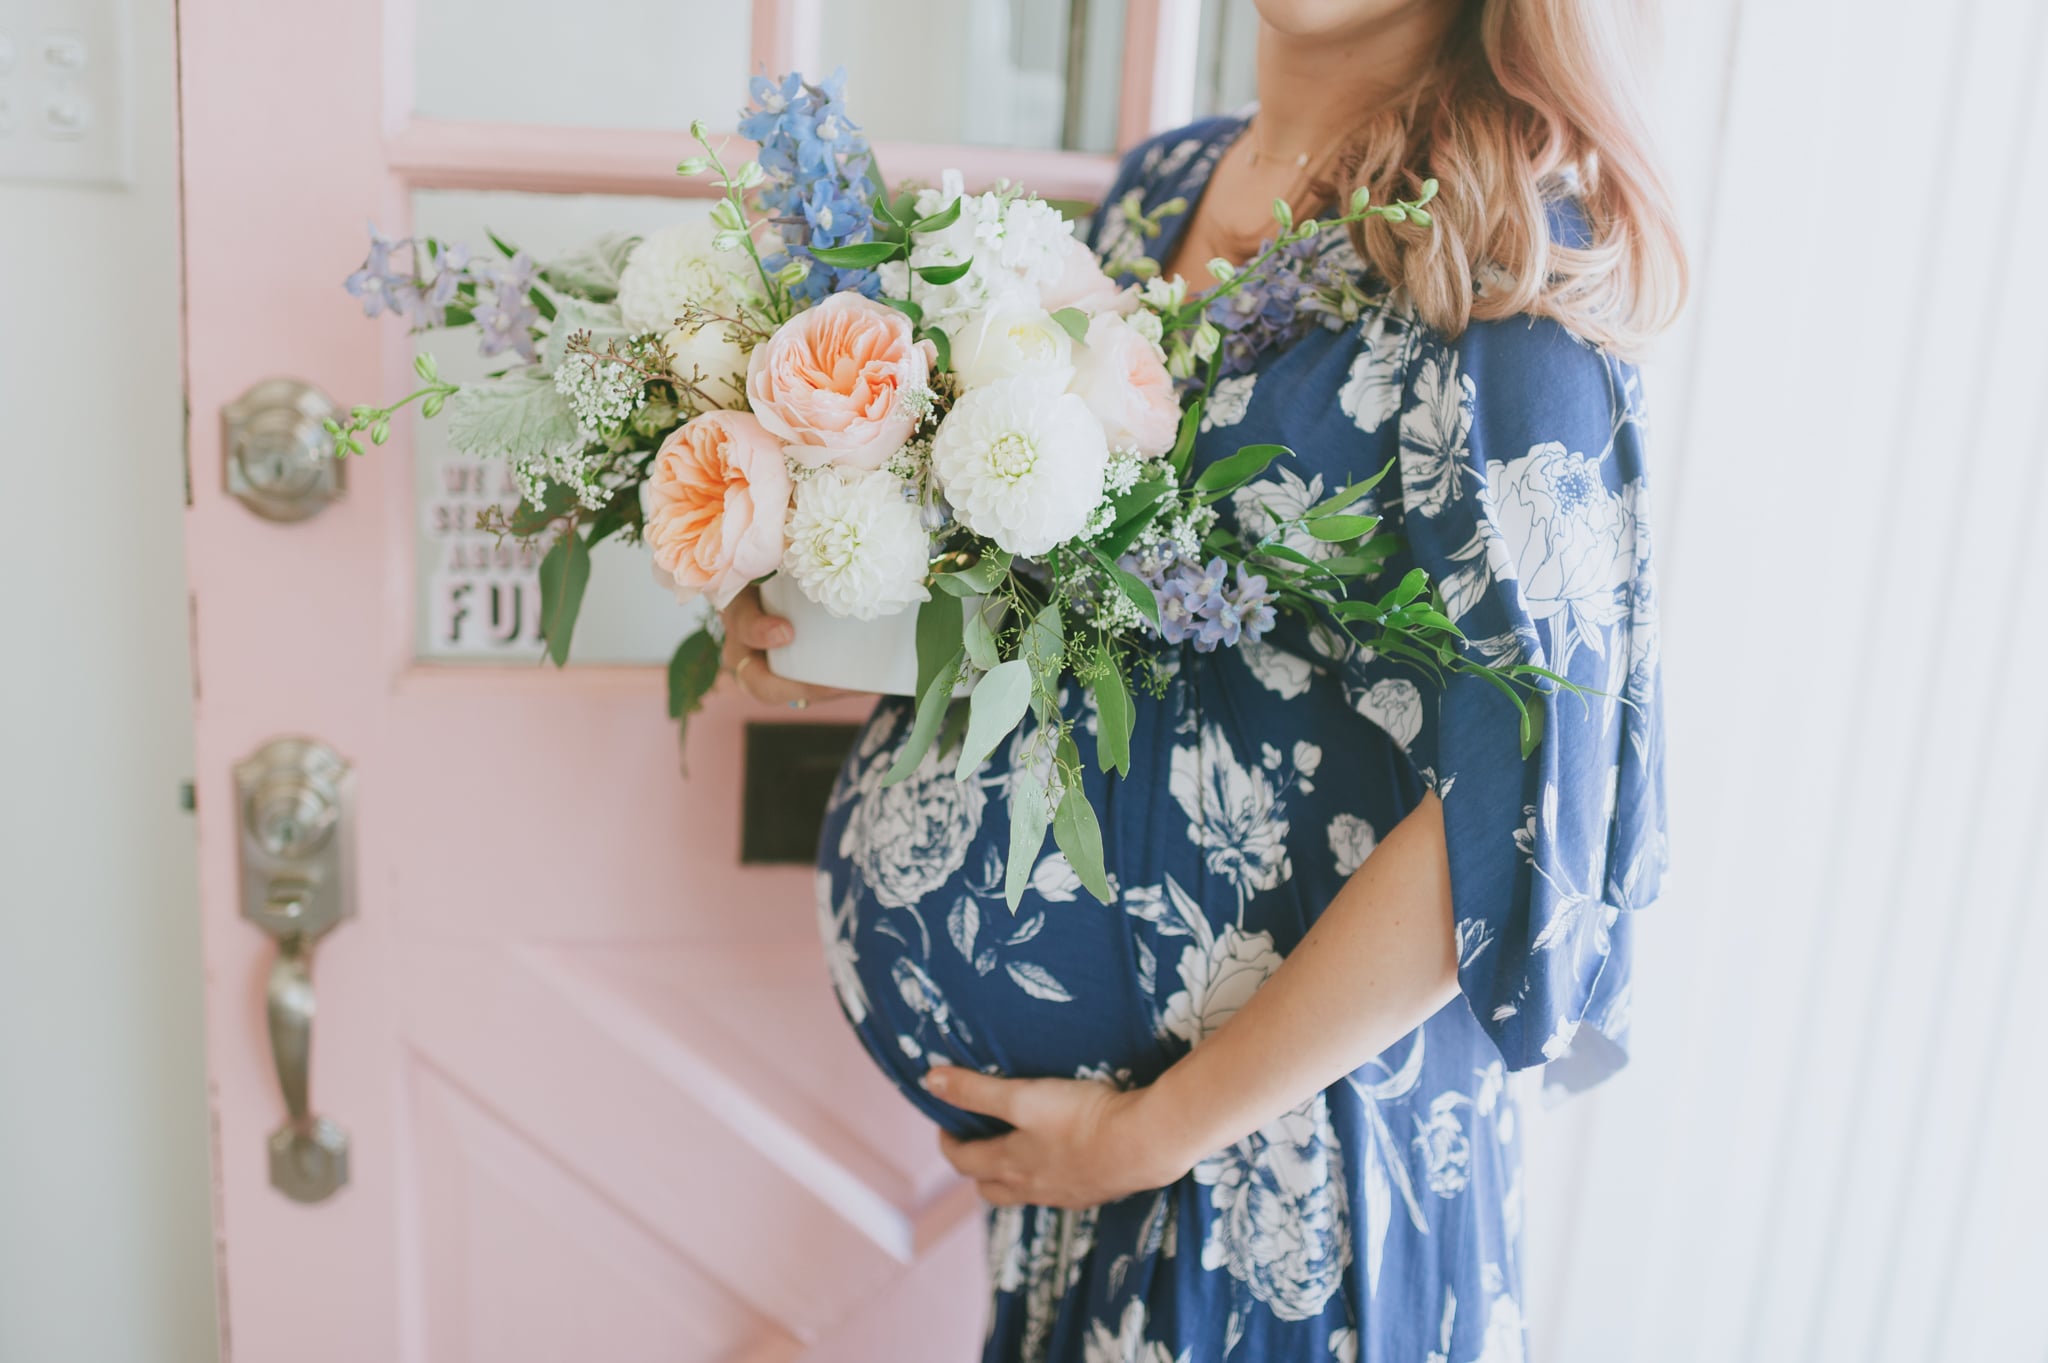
<point>295,854</point>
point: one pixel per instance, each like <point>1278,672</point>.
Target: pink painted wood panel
<point>602,1103</point>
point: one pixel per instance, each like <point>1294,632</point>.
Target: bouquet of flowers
<point>873,401</point>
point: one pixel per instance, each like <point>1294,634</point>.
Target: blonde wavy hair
<point>1526,102</point>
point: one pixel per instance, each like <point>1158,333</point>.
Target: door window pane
<point>993,73</point>
<point>1226,72</point>
<point>593,63</point>
<point>477,598</point>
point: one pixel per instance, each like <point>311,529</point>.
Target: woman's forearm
<point>1380,961</point>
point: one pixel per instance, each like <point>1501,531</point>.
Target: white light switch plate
<point>64,90</point>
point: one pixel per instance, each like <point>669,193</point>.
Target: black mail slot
<point>789,773</point>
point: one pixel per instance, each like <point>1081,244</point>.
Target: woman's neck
<point>1316,86</point>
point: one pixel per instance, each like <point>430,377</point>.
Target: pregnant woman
<point>1255,1108</point>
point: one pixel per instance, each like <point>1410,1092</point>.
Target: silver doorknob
<point>294,800</point>
<point>280,457</point>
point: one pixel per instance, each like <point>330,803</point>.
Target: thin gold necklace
<point>1257,156</point>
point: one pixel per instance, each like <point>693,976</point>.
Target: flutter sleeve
<point>1522,492</point>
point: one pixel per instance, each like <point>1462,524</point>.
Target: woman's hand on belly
<point>1075,1142</point>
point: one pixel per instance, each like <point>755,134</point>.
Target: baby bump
<point>930,962</point>
<point>1225,840</point>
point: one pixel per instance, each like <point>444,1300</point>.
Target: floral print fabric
<point>1380,1221</point>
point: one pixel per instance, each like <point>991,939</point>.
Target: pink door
<point>597,1099</point>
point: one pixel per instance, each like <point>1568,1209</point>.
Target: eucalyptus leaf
<point>692,672</point>
<point>1029,818</point>
<point>1073,321</point>
<point>938,637</point>
<point>1044,647</point>
<point>980,639</point>
<point>997,705</point>
<point>931,709</point>
<point>985,572</point>
<point>1079,835</point>
<point>1115,716</point>
<point>564,573</point>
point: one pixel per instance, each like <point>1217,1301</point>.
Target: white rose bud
<point>1013,340</point>
<point>708,357</point>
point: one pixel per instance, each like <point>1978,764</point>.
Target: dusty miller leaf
<point>520,415</point>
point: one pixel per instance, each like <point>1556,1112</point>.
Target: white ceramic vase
<point>878,655</point>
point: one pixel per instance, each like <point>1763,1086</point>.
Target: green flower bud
<point>699,130</point>
<point>750,175</point>
<point>726,214</point>
<point>1222,269</point>
<point>798,269</point>
<point>693,166</point>
<point>1420,217</point>
<point>1394,213</point>
<point>1282,214</point>
<point>1361,199</point>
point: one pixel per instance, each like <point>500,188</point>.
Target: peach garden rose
<point>714,504</point>
<point>830,382</point>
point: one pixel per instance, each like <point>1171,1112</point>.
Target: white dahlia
<point>1021,463</point>
<point>674,267</point>
<point>857,545</point>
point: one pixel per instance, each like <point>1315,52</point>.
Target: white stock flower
<point>1013,339</point>
<point>1014,246</point>
<point>671,269</point>
<point>857,545</point>
<point>1021,464</point>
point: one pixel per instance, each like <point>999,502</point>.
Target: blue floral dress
<point>1380,1221</point>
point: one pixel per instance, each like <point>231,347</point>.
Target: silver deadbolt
<point>280,458</point>
<point>294,797</point>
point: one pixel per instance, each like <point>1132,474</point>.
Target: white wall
<point>106,1255</point>
<point>1826,1149</point>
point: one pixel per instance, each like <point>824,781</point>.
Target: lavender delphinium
<point>439,276</point>
<point>1303,285</point>
<point>505,320</point>
<point>1201,602</point>
<point>378,284</point>
<point>805,135</point>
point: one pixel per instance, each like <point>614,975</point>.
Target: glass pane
<point>595,63</point>
<point>477,598</point>
<point>992,73</point>
<point>1226,73</point>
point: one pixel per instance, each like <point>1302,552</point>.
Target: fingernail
<point>933,1080</point>
<point>779,635</point>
